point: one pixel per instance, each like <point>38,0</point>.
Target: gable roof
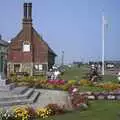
<point>49,49</point>
<point>4,43</point>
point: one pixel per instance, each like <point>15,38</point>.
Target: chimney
<point>27,13</point>
<point>27,22</point>
<point>25,10</point>
<point>30,11</point>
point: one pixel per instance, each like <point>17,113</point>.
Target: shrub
<point>109,86</point>
<point>21,113</point>
<point>78,100</point>
<point>28,113</point>
<point>65,87</point>
<point>55,109</point>
<point>85,82</point>
<point>72,82</point>
<point>43,112</point>
<point>32,113</point>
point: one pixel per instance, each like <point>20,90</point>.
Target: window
<point>40,67</point>
<point>36,67</point>
<point>16,68</point>
<point>44,67</point>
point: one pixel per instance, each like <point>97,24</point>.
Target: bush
<point>28,113</point>
<point>77,100</point>
<point>55,109</point>
<point>73,82</point>
<point>21,113</point>
<point>85,82</point>
<point>109,86</point>
<point>43,112</point>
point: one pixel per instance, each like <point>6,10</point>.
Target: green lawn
<point>91,88</point>
<point>78,74</point>
<point>98,110</point>
<point>74,73</point>
<point>111,78</point>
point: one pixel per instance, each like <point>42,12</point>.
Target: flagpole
<point>103,43</point>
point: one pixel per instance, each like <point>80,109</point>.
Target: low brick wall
<point>102,95</point>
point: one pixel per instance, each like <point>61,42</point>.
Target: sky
<point>72,26</point>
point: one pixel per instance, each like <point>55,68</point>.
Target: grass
<point>98,110</point>
<point>74,74</point>
<point>91,88</point>
<point>111,78</point>
<point>78,74</point>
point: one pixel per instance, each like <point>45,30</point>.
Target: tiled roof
<point>50,49</point>
<point>4,43</point>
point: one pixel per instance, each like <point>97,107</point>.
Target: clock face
<point>26,47</point>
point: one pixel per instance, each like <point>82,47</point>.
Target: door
<point>1,63</point>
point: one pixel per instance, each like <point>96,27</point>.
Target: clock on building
<point>26,46</point>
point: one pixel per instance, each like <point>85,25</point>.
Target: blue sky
<point>70,25</point>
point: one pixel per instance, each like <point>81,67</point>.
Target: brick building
<point>28,52</point>
<point>3,55</point>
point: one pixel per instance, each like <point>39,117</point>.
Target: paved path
<point>52,96</point>
<point>47,97</point>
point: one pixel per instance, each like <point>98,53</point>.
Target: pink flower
<point>58,82</point>
<point>51,81</point>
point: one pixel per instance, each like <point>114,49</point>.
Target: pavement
<point>46,97</point>
<point>52,96</point>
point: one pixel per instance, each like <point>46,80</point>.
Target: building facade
<point>28,52</point>
<point>3,55</point>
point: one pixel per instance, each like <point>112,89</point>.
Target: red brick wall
<point>40,49</point>
<point>19,56</point>
<point>15,52</point>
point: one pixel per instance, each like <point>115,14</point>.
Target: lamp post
<point>62,60</point>
<point>103,38</point>
<point>104,25</point>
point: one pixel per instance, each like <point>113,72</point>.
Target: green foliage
<point>98,110</point>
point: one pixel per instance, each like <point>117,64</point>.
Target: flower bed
<point>28,113</point>
<point>53,84</point>
<point>83,85</point>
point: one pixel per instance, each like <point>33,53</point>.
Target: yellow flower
<point>84,82</point>
<point>21,112</point>
<point>43,112</point>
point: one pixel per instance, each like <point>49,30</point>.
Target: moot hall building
<point>28,52</point>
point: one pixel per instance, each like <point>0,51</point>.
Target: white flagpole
<point>103,41</point>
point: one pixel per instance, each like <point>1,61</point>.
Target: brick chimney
<point>27,21</point>
<point>25,11</point>
<point>30,11</point>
